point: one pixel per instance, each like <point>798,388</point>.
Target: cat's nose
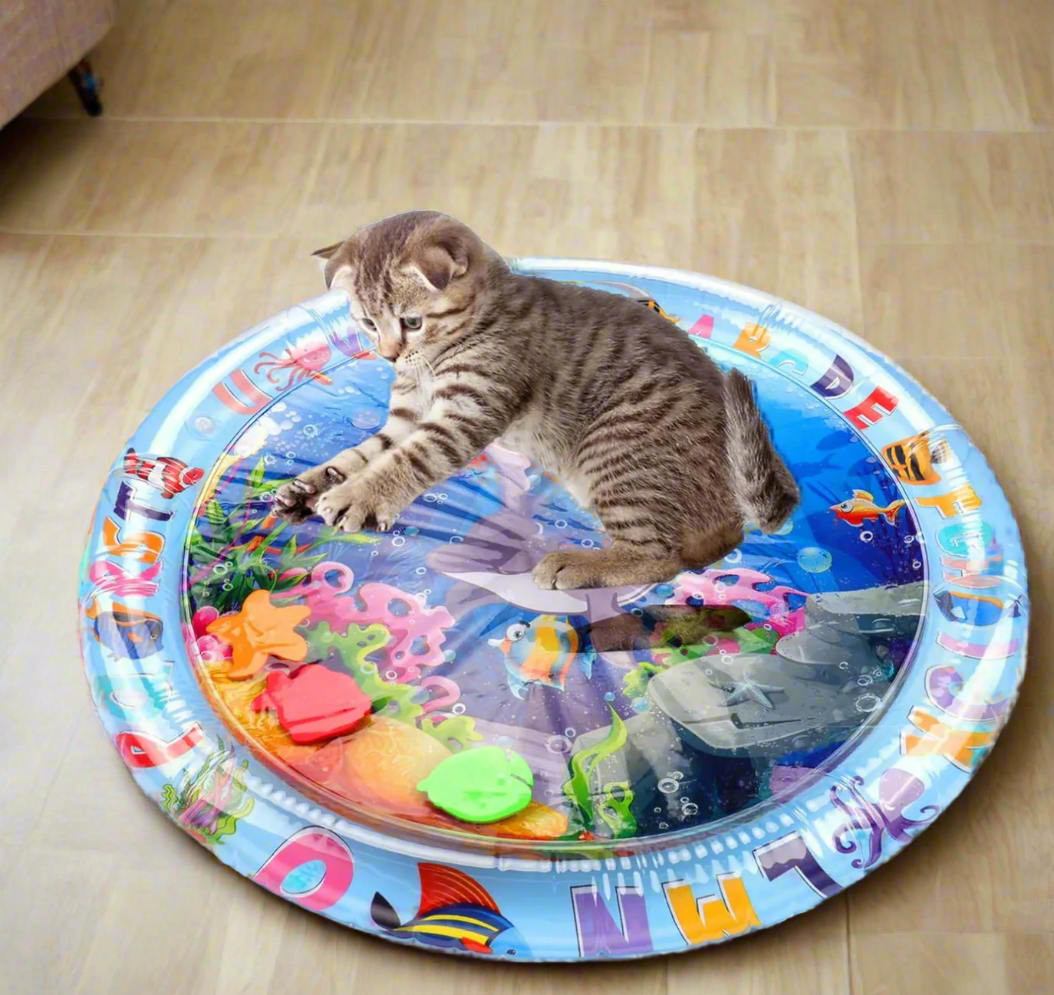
<point>391,352</point>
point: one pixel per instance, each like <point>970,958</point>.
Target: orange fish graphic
<point>861,508</point>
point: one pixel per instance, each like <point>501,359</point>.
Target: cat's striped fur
<point>618,403</point>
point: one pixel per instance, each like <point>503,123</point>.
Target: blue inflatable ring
<point>281,690</point>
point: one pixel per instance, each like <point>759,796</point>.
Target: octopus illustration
<point>301,361</point>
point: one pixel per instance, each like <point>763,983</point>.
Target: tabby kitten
<point>636,421</point>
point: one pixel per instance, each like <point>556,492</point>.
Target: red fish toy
<point>314,704</point>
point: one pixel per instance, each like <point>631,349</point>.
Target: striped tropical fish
<point>454,912</point>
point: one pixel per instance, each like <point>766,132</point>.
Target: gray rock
<point>760,705</point>
<point>874,611</point>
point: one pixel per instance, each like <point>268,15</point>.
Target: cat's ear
<point>323,256</point>
<point>439,261</point>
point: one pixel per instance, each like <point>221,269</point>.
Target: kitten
<point>636,420</point>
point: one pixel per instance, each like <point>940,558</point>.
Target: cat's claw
<point>298,499</point>
<point>350,507</point>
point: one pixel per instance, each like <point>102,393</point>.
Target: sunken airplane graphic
<point>455,913</point>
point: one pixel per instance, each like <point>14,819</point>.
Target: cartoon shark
<point>494,562</point>
<point>455,912</point>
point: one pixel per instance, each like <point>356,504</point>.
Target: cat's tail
<point>763,486</point>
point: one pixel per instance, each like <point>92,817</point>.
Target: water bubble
<point>558,744</point>
<point>916,564</point>
<point>677,775</point>
<point>570,733</point>
<point>864,680</point>
<point>867,703</point>
<point>785,528</point>
<point>459,708</point>
<point>228,586</point>
<point>290,455</point>
<point>668,785</point>
<point>398,541</point>
<point>279,407</point>
<point>365,419</point>
<point>456,539</point>
<point>609,696</point>
<point>640,704</point>
<point>814,560</point>
<point>689,809</point>
<point>204,424</point>
<point>844,665</point>
<point>866,536</point>
<point>420,571</point>
<point>588,543</point>
<point>657,809</point>
<point>664,825</point>
<point>269,459</point>
<point>430,498</point>
<point>734,557</point>
<point>285,424</point>
<point>908,540</point>
<point>310,430</point>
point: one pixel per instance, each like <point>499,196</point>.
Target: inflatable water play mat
<point>402,732</point>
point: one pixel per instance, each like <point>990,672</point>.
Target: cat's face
<point>413,281</point>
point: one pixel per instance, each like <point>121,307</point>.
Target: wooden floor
<point>888,163</point>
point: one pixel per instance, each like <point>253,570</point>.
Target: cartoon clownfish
<point>541,652</point>
<point>168,474</point>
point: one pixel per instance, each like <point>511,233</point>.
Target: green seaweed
<point>209,802</point>
<point>354,648</point>
<point>459,730</point>
<point>635,682</point>
<point>234,559</point>
<point>614,797</point>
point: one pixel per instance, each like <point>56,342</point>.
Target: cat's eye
<point>412,322</point>
<point>368,324</point>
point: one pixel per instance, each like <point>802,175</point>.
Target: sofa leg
<point>87,87</point>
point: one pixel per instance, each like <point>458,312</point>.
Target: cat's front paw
<point>298,499</point>
<point>354,505</point>
<point>567,570</point>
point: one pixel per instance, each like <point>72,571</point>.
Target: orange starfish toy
<point>260,630</point>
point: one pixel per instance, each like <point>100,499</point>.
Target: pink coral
<point>408,621</point>
<point>731,584</point>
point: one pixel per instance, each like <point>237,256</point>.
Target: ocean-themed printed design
<point>209,802</point>
<point>466,651</point>
<point>541,651</point>
<point>706,756</point>
<point>454,911</point>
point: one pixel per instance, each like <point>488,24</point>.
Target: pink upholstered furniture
<point>43,40</point>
